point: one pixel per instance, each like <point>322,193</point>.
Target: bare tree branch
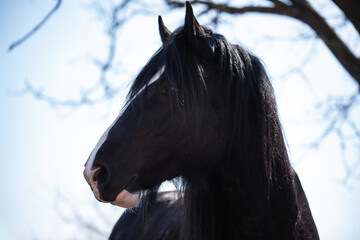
<point>336,112</point>
<point>114,18</point>
<point>351,9</point>
<point>278,8</point>
<point>36,28</point>
<point>299,69</point>
<point>117,19</point>
<point>39,94</point>
<point>303,11</point>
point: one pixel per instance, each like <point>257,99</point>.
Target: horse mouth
<point>125,198</point>
<point>128,198</point>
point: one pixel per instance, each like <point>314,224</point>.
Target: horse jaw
<point>126,199</point>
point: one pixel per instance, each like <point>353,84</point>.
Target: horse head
<point>173,123</point>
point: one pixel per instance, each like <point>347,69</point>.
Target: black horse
<point>203,112</point>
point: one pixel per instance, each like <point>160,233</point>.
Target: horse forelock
<point>182,70</point>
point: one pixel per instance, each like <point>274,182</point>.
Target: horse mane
<point>254,179</point>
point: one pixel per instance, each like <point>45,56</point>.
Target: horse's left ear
<point>164,31</point>
<point>196,35</point>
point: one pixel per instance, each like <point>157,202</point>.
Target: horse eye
<point>169,91</point>
<point>166,91</point>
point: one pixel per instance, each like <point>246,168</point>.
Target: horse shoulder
<point>162,220</point>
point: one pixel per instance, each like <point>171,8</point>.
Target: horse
<point>202,113</point>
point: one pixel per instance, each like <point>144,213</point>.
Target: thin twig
<point>36,28</point>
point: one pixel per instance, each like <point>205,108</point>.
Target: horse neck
<point>232,201</point>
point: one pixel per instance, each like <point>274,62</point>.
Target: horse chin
<point>126,199</point>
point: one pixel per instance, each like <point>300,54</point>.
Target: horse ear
<point>192,27</point>
<point>164,32</point>
<point>197,36</point>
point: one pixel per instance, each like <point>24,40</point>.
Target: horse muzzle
<point>124,199</point>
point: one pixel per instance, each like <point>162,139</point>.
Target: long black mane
<point>254,177</point>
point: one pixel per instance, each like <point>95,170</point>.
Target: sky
<point>43,148</point>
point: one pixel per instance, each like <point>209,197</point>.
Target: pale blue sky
<point>43,148</point>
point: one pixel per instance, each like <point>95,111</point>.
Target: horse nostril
<point>95,177</point>
<point>100,174</point>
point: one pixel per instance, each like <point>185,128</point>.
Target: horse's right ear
<point>164,32</point>
<point>192,27</point>
<point>196,35</point>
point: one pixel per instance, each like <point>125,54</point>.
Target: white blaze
<point>90,161</point>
